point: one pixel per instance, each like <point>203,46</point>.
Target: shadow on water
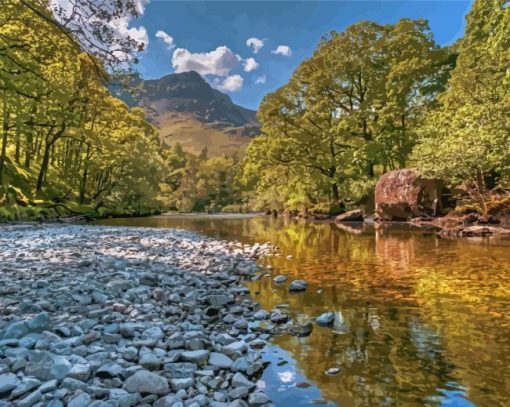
<point>419,320</point>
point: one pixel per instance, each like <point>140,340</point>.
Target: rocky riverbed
<point>105,316</point>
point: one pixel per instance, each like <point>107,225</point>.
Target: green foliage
<point>200,183</point>
<point>468,136</point>
<point>351,108</point>
<point>64,138</point>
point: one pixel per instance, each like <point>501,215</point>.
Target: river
<point>420,320</point>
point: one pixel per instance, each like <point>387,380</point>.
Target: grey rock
<point>29,341</point>
<point>15,330</point>
<point>80,372</point>
<point>167,401</point>
<point>280,279</point>
<point>178,384</point>
<point>218,300</point>
<point>279,317</point>
<point>48,386</point>
<point>235,348</point>
<point>238,403</point>
<point>144,381</point>
<point>8,381</point>
<point>238,392</point>
<point>149,361</point>
<point>258,399</point>
<point>240,380</point>
<point>123,398</point>
<point>195,356</point>
<point>109,370</point>
<point>220,360</point>
<point>47,366</point>
<point>325,319</point>
<point>25,386</point>
<point>130,353</point>
<point>301,329</point>
<point>261,314</point>
<point>29,400</point>
<point>81,400</point>
<point>297,285</point>
<point>180,370</point>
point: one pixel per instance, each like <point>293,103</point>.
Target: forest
<point>370,99</point>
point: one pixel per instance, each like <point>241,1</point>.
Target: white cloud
<point>250,65</point>
<point>260,80</point>
<point>282,50</point>
<point>218,62</point>
<point>167,39</point>
<point>255,44</point>
<point>233,83</point>
<point>138,34</point>
<point>140,5</point>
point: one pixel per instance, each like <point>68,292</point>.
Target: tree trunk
<point>44,167</point>
<point>371,172</point>
<point>18,147</point>
<point>480,191</point>
<point>83,184</point>
<point>334,193</point>
<point>28,151</point>
<point>5,132</point>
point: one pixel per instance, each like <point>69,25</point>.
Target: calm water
<point>420,320</point>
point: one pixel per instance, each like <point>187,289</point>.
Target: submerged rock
<point>298,285</point>
<point>301,329</point>
<point>333,371</point>
<point>325,319</point>
<point>280,279</point>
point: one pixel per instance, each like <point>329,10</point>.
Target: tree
<point>468,136</point>
<point>353,106</point>
<point>97,27</point>
<point>81,145</point>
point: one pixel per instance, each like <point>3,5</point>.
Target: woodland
<point>371,99</point>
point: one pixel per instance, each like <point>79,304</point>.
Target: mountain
<point>187,110</point>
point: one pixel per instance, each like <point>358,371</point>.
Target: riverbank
<point>135,315</point>
<point>63,212</point>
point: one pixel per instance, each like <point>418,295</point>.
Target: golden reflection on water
<point>420,320</point>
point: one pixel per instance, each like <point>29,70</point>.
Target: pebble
<point>326,319</point>
<point>98,316</point>
<point>280,279</point>
<point>333,371</point>
<point>297,285</point>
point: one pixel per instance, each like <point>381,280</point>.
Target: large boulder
<point>401,195</point>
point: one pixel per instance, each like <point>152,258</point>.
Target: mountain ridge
<point>187,110</point>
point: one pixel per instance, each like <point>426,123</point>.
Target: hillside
<point>187,110</point>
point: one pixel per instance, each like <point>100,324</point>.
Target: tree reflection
<point>424,319</point>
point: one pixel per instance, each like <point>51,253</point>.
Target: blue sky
<point>198,28</point>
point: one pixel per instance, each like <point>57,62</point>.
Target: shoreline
<point>141,316</point>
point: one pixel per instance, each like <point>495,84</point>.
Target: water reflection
<point>420,320</point>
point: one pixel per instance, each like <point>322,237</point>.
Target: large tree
<point>468,136</point>
<point>354,105</point>
<point>79,143</point>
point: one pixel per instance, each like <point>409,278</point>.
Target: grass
<point>193,135</point>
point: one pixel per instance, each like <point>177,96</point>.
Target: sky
<point>247,49</point>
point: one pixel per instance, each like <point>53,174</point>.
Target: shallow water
<point>420,320</point>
